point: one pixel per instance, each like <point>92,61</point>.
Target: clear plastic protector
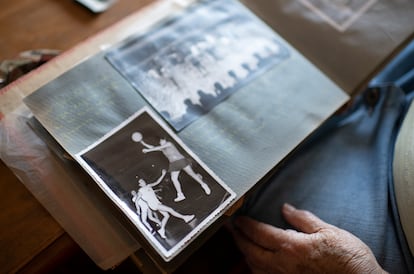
<point>99,233</point>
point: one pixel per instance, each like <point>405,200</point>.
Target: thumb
<point>303,220</point>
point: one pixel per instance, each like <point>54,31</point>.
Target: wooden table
<point>31,240</point>
<point>34,24</point>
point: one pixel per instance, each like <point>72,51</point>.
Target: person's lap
<point>342,174</point>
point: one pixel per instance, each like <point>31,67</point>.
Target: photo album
<point>175,124</point>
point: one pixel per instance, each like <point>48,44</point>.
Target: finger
<point>264,235</point>
<point>303,220</point>
<point>259,259</point>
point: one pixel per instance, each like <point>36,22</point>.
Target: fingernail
<point>288,208</point>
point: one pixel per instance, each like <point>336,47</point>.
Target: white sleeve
<point>403,172</point>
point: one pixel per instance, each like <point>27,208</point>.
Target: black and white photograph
<point>339,13</point>
<point>156,181</point>
<point>190,64</point>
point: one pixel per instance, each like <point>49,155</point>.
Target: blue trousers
<point>343,172</point>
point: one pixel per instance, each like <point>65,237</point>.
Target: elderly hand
<point>318,247</point>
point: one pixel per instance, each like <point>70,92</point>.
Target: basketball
<point>136,137</point>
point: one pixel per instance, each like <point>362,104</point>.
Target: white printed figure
<point>177,163</point>
<point>144,211</point>
<point>147,194</point>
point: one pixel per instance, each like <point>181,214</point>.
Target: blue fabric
<point>343,172</point>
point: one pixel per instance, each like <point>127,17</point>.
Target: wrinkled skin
<point>317,247</point>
